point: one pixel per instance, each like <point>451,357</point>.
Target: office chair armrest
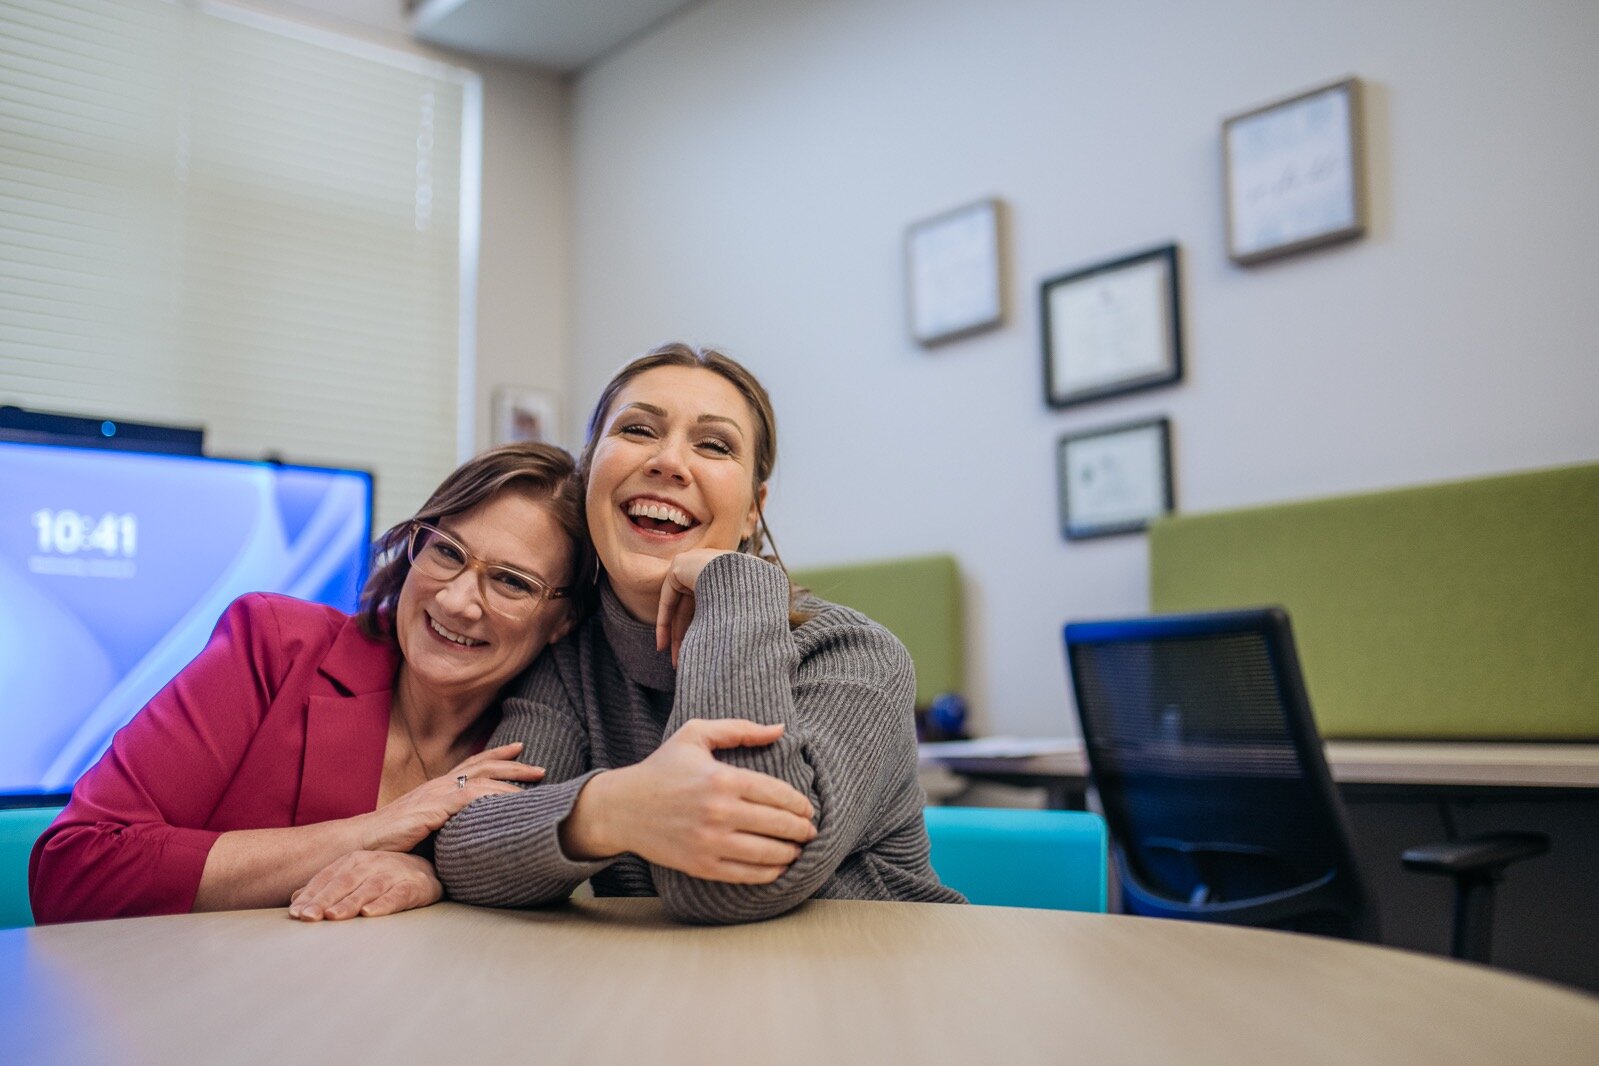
<point>1482,856</point>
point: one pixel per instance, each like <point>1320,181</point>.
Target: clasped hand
<point>382,877</point>
<point>402,824</point>
<point>683,808</point>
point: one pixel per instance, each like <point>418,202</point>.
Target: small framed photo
<point>1115,480</point>
<point>1112,328</point>
<point>954,278</point>
<point>525,414</point>
<point>1295,173</point>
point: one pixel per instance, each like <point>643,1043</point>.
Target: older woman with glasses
<point>306,755</point>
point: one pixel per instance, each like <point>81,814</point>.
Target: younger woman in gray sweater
<point>709,735</point>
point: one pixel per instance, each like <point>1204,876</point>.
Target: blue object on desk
<point>946,716</point>
<point>19,829</point>
<point>1003,857</point>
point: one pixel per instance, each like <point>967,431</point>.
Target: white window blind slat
<point>210,218</point>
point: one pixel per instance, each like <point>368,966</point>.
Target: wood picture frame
<point>954,272</point>
<point>1294,173</point>
<point>524,414</point>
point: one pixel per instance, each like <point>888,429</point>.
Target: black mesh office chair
<point>1210,770</point>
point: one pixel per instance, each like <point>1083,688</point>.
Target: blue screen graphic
<point>115,566</point>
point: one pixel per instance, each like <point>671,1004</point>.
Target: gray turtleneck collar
<point>633,644</point>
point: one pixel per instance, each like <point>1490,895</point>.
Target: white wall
<point>743,177</point>
<point>523,293</point>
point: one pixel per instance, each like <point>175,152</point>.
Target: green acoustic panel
<point>918,600</point>
<point>1460,611</point>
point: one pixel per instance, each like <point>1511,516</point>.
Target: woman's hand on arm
<point>367,884</point>
<point>261,867</point>
<point>683,808</point>
<point>402,824</point>
<point>505,851</point>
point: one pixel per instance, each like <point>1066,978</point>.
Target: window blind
<point>208,216</point>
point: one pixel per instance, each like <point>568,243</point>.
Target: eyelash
<point>715,444</point>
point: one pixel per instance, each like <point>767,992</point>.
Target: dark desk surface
<point>611,981</point>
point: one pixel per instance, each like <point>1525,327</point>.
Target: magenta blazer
<point>282,720</point>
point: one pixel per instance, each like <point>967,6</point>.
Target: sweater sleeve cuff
<point>737,585</point>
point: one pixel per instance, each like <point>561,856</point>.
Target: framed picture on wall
<point>1295,173</point>
<point>953,272</point>
<point>525,414</point>
<point>1114,480</point>
<point>1112,328</point>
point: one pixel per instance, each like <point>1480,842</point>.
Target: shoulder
<point>289,620</point>
<point>555,676</point>
<point>281,632</point>
<point>842,642</point>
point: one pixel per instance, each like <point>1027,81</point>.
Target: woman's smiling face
<point>672,469</point>
<point>456,647</point>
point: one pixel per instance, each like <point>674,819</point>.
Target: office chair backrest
<point>1002,857</point>
<point>19,829</point>
<point>1211,773</point>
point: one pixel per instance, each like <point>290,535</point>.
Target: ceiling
<point>556,35</point>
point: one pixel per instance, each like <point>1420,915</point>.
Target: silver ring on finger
<point>460,780</point>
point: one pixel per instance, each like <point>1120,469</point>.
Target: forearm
<point>262,867</point>
<point>843,689</point>
<point>739,660</point>
<point>845,779</point>
<point>505,851</point>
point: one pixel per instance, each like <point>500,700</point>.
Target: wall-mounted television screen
<point>114,568</point>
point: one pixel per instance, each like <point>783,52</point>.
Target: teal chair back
<point>1003,857</point>
<point>19,829</point>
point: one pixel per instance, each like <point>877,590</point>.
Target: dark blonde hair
<point>542,471</point>
<point>762,543</point>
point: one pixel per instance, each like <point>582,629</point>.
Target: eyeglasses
<point>505,589</point>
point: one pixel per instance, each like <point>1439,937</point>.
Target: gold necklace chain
<point>416,751</point>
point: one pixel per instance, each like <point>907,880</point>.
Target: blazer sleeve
<point>131,840</point>
<point>848,744</point>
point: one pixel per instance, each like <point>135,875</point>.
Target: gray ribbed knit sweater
<point>604,698</point>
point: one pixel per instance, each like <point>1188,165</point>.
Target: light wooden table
<point>610,981</point>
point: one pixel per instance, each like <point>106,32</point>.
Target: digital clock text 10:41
<point>69,532</point>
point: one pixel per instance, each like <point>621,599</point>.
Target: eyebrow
<point>455,535</point>
<point>660,412</point>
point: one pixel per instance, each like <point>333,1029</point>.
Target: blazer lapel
<point>346,728</point>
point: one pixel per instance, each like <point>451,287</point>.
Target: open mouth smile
<point>657,517</point>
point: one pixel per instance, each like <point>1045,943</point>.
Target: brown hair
<point>765,451</point>
<point>542,471</point>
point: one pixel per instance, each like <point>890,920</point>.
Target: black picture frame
<point>1112,328</point>
<point>1139,454</point>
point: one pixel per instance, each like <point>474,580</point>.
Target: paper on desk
<point>999,747</point>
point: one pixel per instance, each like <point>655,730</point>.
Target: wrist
<point>360,833</point>
<point>589,833</point>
